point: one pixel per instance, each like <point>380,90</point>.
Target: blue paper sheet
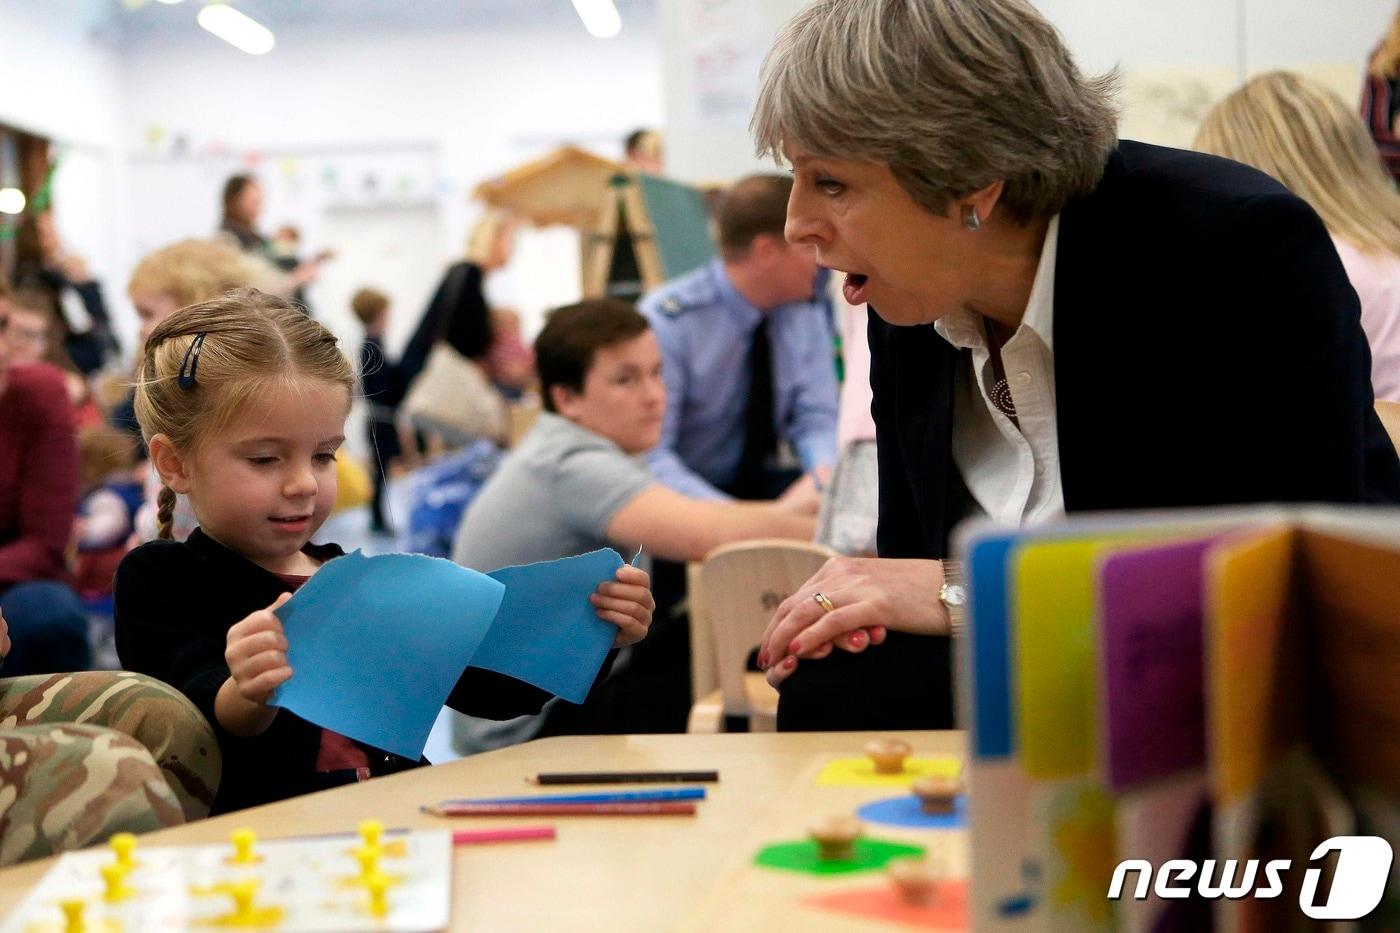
<point>376,644</point>
<point>547,633</point>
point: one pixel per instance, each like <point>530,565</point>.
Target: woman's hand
<point>870,595</point>
<point>628,604</point>
<point>257,653</point>
<point>4,637</point>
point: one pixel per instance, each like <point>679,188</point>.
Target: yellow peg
<point>72,915</point>
<point>378,884</point>
<point>243,841</point>
<point>123,845</point>
<point>114,877</point>
<point>243,894</point>
<point>371,831</point>
<point>368,857</point>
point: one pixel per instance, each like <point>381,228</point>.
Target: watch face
<point>955,595</point>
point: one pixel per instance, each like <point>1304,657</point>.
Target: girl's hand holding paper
<point>257,653</point>
<point>628,604</point>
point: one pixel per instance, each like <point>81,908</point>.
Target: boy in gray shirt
<point>578,482</point>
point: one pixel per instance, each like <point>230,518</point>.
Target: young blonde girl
<point>1305,136</point>
<point>242,401</point>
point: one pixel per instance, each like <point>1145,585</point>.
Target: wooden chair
<point>1390,418</point>
<point>733,595</point>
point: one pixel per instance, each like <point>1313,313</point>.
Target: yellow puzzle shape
<point>358,881</point>
<point>393,848</point>
<point>860,772</point>
<point>254,918</point>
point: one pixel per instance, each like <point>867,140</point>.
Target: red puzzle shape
<point>947,911</point>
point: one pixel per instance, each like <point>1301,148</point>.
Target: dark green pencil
<point>627,777</point>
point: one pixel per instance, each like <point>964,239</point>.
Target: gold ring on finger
<point>822,601</point>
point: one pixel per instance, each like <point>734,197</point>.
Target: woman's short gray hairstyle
<point>952,95</point>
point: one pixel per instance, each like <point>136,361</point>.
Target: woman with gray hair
<point>1060,322</point>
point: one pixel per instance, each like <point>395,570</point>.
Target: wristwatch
<point>953,595</point>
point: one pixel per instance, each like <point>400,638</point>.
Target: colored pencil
<point>627,777</point>
<point>504,834</point>
<point>632,796</point>
<point>644,808</point>
<point>347,834</point>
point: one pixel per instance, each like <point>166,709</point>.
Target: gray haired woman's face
<point>911,265</point>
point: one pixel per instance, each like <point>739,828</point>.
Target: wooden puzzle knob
<point>836,838</point>
<point>915,879</point>
<point>937,795</point>
<point>888,755</point>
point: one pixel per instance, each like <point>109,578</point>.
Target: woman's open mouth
<point>854,288</point>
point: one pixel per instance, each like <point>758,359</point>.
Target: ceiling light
<point>11,201</point>
<point>600,17</point>
<point>172,1</point>
<point>237,29</point>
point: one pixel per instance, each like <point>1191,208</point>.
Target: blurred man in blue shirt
<point>748,357</point>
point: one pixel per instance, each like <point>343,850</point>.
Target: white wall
<point>57,77</point>
<point>60,79</point>
<point>449,108</point>
<point>1177,58</point>
<point>479,102</point>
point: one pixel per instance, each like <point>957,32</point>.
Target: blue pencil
<point>682,793</point>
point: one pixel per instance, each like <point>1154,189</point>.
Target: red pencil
<point>504,834</point>
<point>642,808</point>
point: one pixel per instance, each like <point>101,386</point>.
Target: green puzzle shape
<point>869,855</point>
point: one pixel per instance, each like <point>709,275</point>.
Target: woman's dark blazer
<point>1208,350</point>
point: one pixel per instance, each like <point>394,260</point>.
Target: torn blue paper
<point>547,633</point>
<point>377,644</point>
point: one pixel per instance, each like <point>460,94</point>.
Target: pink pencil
<point>508,834</point>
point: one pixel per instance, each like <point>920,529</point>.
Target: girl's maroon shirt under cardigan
<point>38,475</point>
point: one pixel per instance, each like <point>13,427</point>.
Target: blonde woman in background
<point>1380,96</point>
<point>447,394</point>
<point>1305,136</point>
<point>458,311</point>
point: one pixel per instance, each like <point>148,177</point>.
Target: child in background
<point>510,364</point>
<point>382,386</point>
<point>32,336</point>
<point>111,495</point>
<point>242,402</point>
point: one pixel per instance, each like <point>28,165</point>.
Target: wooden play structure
<point>637,230</point>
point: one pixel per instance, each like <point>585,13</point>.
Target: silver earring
<point>970,219</point>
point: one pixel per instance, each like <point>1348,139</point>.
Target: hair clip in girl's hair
<point>191,361</point>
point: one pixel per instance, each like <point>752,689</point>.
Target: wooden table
<point>602,873</point>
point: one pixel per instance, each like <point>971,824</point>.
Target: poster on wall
<point>726,42</point>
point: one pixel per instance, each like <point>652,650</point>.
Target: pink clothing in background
<point>853,421</point>
<point>1376,278</point>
